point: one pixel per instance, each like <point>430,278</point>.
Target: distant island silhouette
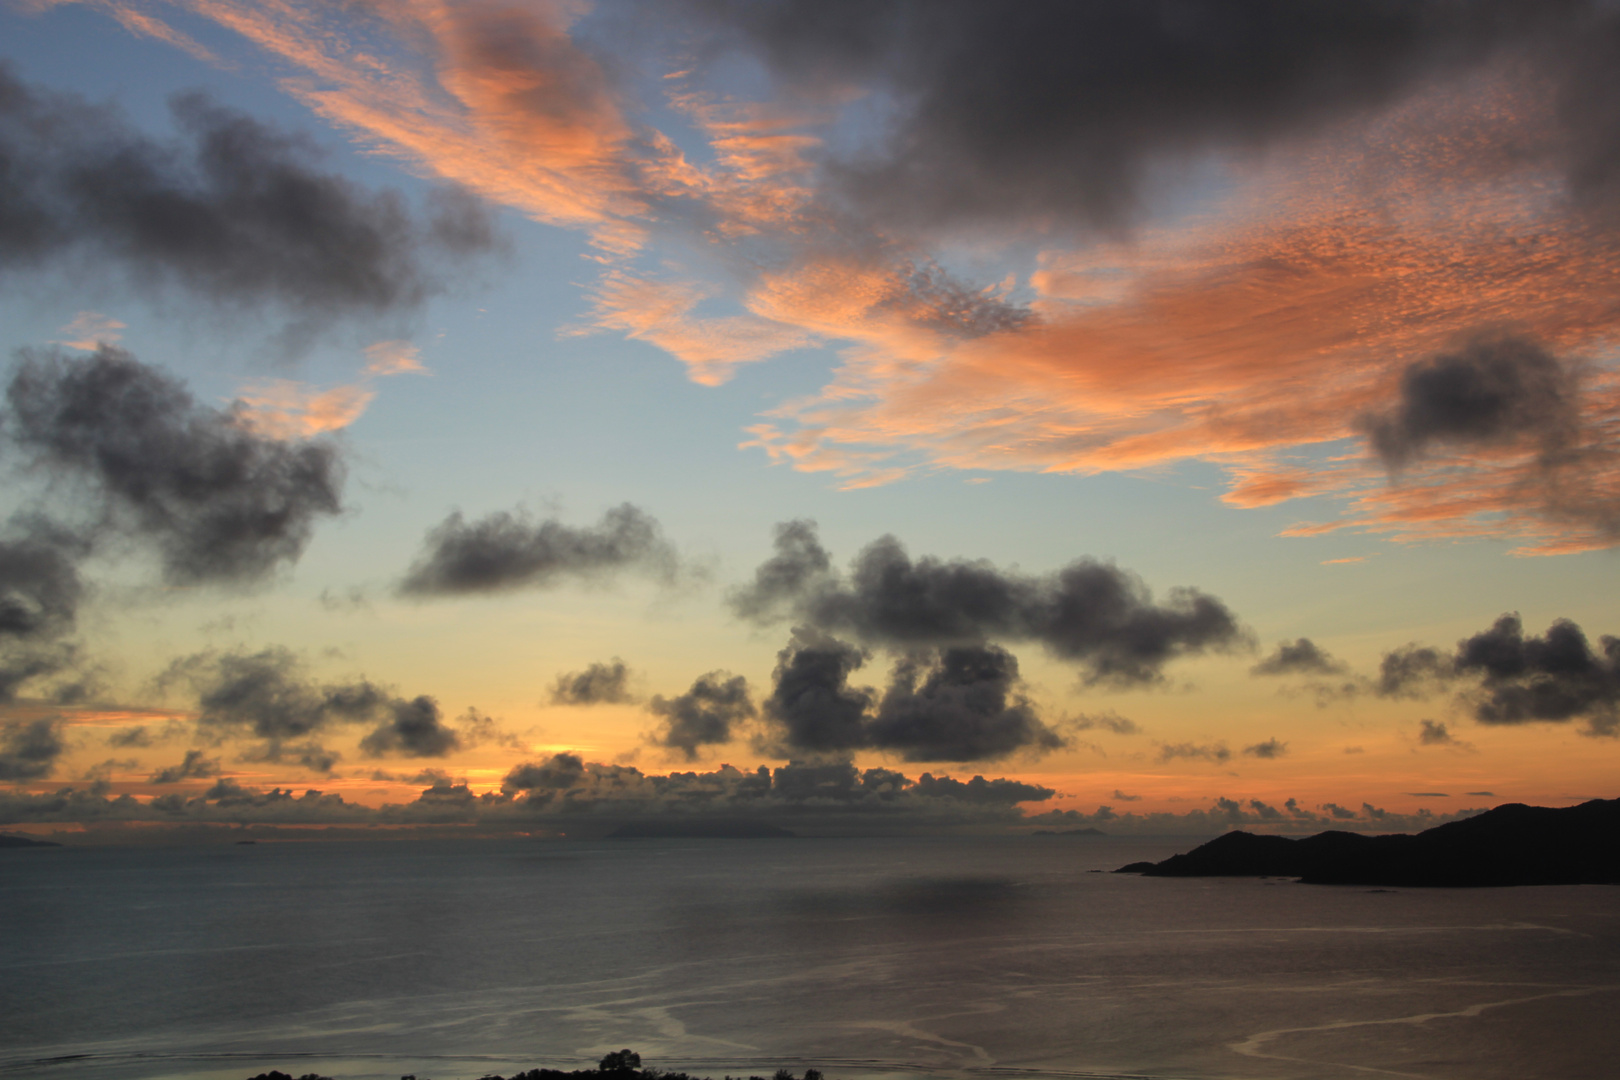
<point>25,841</point>
<point>1513,844</point>
<point>1068,832</point>
<point>699,829</point>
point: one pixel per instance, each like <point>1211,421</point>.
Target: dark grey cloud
<point>1122,797</point>
<point>194,766</point>
<point>1489,392</point>
<point>799,566</point>
<point>1212,752</point>
<point>706,715</point>
<point>1510,678</point>
<point>445,794</point>
<point>583,797</point>
<point>1556,677</point>
<point>1374,813</point>
<point>598,684</point>
<point>423,776</point>
<point>1049,111</point>
<point>265,695</point>
<point>220,501</point>
<point>962,704</point>
<point>1237,813</point>
<point>1301,657</point>
<point>1094,614</point>
<point>40,594</point>
<point>832,782</point>
<point>565,784</point>
<point>1267,750</point>
<point>349,601</point>
<point>40,590</point>
<point>104,771</point>
<point>234,211</point>
<point>29,748</point>
<point>310,753</point>
<point>812,706</point>
<point>33,666</point>
<point>1588,88</point>
<point>246,804</point>
<point>429,775</point>
<point>1112,721</point>
<point>1225,813</point>
<point>959,703</point>
<point>1412,671</point>
<point>131,736</point>
<point>414,728</point>
<point>931,297</point>
<point>141,735</point>
<point>980,790</point>
<point>1434,733</point>
<point>557,773</point>
<point>474,729</point>
<point>505,551</point>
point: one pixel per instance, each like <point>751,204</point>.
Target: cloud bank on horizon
<point>565,793</point>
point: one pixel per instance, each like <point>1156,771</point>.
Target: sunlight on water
<point>989,957</point>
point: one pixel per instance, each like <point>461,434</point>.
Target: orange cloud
<point>1254,334</point>
<point>137,22</point>
<point>660,312</point>
<point>90,330</point>
<point>492,96</point>
<point>760,178</point>
<point>1249,341</point>
<point>93,715</point>
<point>286,409</point>
<point>393,358</point>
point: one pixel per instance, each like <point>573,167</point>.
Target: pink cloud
<point>286,409</point>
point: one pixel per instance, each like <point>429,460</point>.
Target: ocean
<point>865,958</point>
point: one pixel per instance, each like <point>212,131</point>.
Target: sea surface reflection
<point>862,957</point>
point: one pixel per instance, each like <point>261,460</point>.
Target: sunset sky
<point>538,415</point>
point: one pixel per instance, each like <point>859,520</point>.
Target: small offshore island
<point>1513,844</point>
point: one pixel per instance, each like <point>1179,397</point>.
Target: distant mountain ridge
<point>1513,844</point>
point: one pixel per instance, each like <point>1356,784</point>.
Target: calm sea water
<point>863,957</point>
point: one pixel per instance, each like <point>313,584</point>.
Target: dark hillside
<point>1510,845</point>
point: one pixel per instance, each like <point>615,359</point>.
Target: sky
<point>534,416</point>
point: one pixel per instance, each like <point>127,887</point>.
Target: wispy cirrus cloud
<point>492,97</point>
<point>661,313</point>
<point>138,22</point>
<point>1431,177</point>
<point>89,330</point>
<point>394,358</point>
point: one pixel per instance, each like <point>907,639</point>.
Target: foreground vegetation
<point>619,1065</point>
